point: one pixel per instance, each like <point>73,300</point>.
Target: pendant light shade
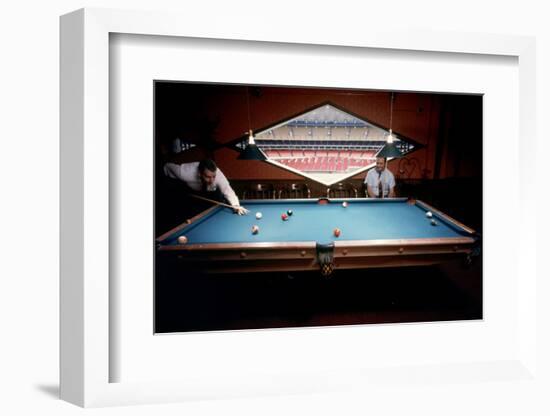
<point>390,149</point>
<point>251,150</point>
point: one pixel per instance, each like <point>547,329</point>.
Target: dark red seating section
<point>322,160</point>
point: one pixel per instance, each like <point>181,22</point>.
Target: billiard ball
<point>255,229</point>
<point>182,239</point>
<point>345,204</point>
<point>429,214</point>
<point>289,212</point>
<point>433,222</point>
<point>337,232</point>
<point>258,215</point>
<point>284,217</point>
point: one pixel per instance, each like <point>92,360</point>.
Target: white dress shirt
<point>384,179</point>
<point>189,173</point>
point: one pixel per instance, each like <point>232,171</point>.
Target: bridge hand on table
<point>240,210</point>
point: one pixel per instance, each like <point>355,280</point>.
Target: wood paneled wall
<point>447,127</point>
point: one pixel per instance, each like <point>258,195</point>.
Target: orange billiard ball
<point>337,232</point>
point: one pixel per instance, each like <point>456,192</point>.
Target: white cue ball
<point>258,215</point>
<point>429,214</point>
<point>182,239</point>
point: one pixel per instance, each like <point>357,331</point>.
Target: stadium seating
<point>342,190</point>
<point>294,190</point>
<point>260,191</point>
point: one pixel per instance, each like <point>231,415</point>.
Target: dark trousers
<point>174,203</point>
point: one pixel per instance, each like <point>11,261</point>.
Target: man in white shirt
<point>380,181</point>
<point>205,178</point>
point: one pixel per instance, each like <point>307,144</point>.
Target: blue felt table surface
<point>310,221</point>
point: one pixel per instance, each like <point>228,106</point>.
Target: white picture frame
<point>86,356</point>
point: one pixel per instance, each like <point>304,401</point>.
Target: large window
<point>326,144</point>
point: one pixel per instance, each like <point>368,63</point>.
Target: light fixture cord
<point>248,109</point>
<point>391,112</point>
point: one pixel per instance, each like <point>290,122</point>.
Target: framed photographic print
<point>169,294</point>
<point>320,246</point>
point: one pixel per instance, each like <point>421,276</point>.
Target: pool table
<point>374,233</point>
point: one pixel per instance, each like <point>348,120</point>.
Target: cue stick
<point>216,202</point>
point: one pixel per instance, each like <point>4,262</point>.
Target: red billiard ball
<point>284,217</point>
<point>337,232</point>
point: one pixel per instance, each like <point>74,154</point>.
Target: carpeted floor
<point>198,302</point>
